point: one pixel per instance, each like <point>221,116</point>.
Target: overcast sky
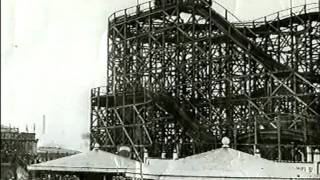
<point>54,51</point>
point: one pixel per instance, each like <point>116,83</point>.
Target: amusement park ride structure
<point>182,74</point>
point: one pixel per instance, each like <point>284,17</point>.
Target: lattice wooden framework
<point>182,76</point>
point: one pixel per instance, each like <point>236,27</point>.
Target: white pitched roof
<point>220,163</point>
<point>215,164</point>
<point>93,161</point>
<point>232,163</point>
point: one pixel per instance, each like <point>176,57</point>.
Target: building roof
<point>215,164</point>
<point>221,163</point>
<point>5,128</point>
<point>51,149</point>
<point>94,161</point>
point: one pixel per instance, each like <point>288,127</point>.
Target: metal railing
<point>152,5</point>
<point>296,10</point>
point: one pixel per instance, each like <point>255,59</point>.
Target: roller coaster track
<point>237,32</point>
<point>241,40</point>
<point>233,31</point>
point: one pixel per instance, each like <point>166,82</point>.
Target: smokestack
<point>43,124</point>
<point>34,127</point>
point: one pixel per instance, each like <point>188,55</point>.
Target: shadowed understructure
<point>182,74</point>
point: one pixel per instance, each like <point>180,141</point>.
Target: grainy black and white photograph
<point>160,89</point>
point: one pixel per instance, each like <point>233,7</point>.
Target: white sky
<point>54,51</point>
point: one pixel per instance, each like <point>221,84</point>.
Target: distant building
<point>18,149</point>
<point>47,153</point>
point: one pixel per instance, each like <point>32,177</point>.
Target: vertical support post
<point>163,154</point>
<point>141,171</point>
<point>279,138</point>
<point>91,119</point>
<point>255,135</point>
<point>305,132</point>
<point>316,156</point>
<point>226,14</point>
<point>145,156</point>
<point>33,175</point>
<point>175,155</point>
<point>235,143</point>
<point>309,154</point>
<point>302,155</point>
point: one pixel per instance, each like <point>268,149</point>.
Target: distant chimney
<point>34,127</point>
<point>27,129</point>
<point>43,124</point>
